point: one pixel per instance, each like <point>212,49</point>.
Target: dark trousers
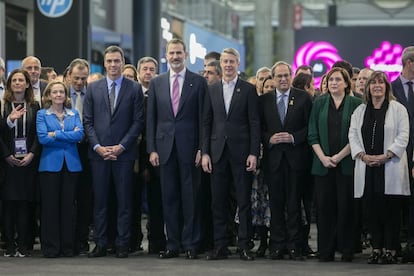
<point>220,194</point>
<point>57,225</point>
<point>384,219</point>
<point>207,221</point>
<point>308,188</point>
<point>334,198</point>
<point>136,207</point>
<point>104,172</point>
<point>156,233</point>
<point>284,199</point>
<point>16,219</point>
<point>180,184</point>
<point>84,200</point>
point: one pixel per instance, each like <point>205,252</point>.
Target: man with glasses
<point>285,116</point>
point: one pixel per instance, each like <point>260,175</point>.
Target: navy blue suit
<point>122,127</point>
<point>177,139</point>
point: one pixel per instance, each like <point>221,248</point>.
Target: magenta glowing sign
<point>386,58</point>
<point>321,55</point>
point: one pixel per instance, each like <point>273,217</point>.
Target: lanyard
<point>17,123</point>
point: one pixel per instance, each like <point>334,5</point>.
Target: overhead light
<point>395,4</point>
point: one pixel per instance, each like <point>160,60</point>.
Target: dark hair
<point>355,70</point>
<point>216,64</point>
<point>388,88</point>
<point>344,64</point>
<point>28,94</point>
<point>175,41</point>
<point>145,60</point>
<point>344,74</point>
<point>304,68</point>
<point>115,49</point>
<point>212,55</point>
<point>48,102</point>
<point>82,63</point>
<point>44,71</point>
<point>264,82</point>
<point>302,80</point>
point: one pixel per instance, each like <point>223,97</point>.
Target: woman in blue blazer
<point>59,129</point>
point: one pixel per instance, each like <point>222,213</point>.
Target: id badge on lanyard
<point>20,144</point>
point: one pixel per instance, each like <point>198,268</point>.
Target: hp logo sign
<point>54,8</point>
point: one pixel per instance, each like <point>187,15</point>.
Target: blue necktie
<point>281,107</point>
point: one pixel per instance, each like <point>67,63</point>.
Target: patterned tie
<point>78,104</point>
<point>175,97</point>
<point>281,108</point>
<point>112,97</point>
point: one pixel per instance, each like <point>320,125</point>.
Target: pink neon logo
<point>321,55</point>
<point>386,58</point>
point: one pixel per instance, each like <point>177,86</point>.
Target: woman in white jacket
<point>378,137</point>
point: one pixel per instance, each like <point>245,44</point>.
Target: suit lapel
<point>235,98</point>
<point>186,90</point>
<point>289,105</point>
<point>104,87</point>
<point>121,94</point>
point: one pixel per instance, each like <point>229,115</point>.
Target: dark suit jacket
<point>296,123</point>
<point>7,135</point>
<point>239,129</point>
<point>185,129</point>
<point>123,127</point>
<point>398,91</point>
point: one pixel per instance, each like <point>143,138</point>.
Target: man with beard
<point>173,131</point>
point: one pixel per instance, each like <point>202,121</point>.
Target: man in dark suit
<point>33,66</point>
<point>403,88</point>
<point>78,72</point>
<point>231,139</point>
<point>174,114</point>
<point>284,118</point>
<point>149,176</point>
<point>113,119</point>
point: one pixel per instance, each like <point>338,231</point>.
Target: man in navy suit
<point>113,119</point>
<point>403,88</point>
<point>231,140</point>
<point>284,117</point>
<point>174,112</point>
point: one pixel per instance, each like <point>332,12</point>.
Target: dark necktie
<point>410,97</point>
<point>112,97</point>
<point>281,107</point>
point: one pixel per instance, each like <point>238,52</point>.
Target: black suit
<point>229,139</point>
<point>177,139</point>
<point>399,93</point>
<point>102,128</point>
<point>285,165</point>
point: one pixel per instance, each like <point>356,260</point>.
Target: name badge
<point>20,147</point>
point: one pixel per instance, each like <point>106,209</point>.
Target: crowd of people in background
<point>214,160</point>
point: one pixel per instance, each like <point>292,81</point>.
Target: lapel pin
<point>238,90</point>
<point>291,102</point>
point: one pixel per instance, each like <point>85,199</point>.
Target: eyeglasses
<point>282,76</point>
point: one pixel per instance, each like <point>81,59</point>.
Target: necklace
<point>373,134</point>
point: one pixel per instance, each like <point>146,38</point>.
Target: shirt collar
<point>279,94</point>
<point>74,92</point>
<point>230,82</point>
<point>404,80</point>
<point>36,85</point>
<point>181,73</point>
<point>118,81</point>
<point>66,111</point>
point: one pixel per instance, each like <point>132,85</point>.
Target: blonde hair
<point>47,102</point>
